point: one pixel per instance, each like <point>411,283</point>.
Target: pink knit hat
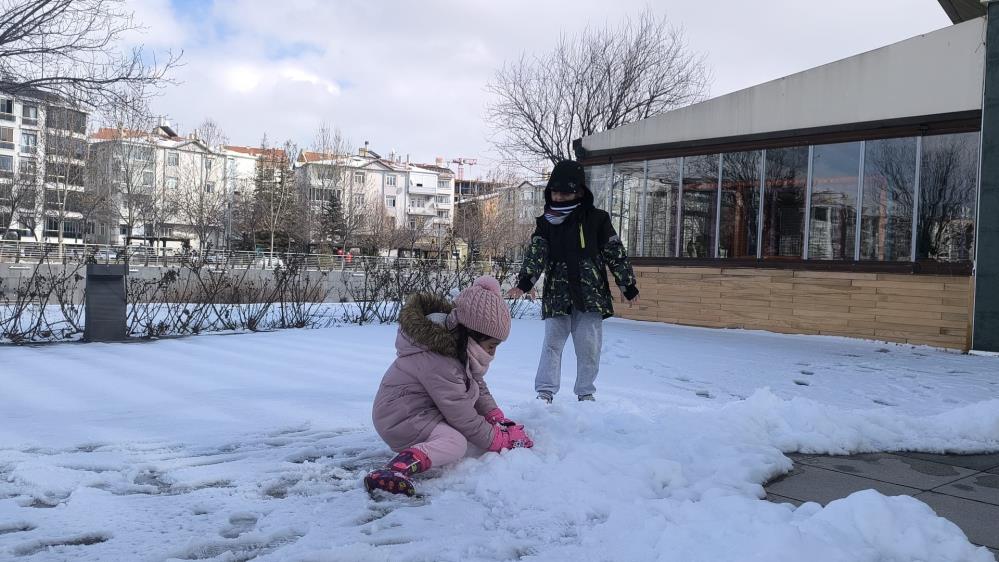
<point>481,308</point>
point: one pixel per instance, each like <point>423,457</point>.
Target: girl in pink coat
<point>433,399</point>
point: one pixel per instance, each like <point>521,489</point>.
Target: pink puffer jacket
<point>426,384</point>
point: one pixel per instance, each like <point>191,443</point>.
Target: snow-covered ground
<point>252,446</point>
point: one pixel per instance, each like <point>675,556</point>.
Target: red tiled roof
<point>308,156</point>
<point>108,133</point>
<point>257,151</point>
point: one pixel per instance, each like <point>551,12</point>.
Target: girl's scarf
<point>478,359</point>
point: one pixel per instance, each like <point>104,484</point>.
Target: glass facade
<point>625,207</point>
<point>889,193</point>
<point>835,185</point>
<point>899,199</point>
<point>740,204</point>
<point>948,190</point>
<point>700,206</point>
<point>785,188</point>
<point>662,208</point>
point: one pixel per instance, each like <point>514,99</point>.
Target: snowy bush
<point>198,296</point>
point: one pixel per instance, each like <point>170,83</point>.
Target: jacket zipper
<point>582,239</point>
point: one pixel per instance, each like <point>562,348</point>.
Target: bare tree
<point>70,48</point>
<point>276,191</point>
<point>18,197</point>
<point>591,82</point>
<point>199,202</point>
<point>326,181</point>
<point>122,169</point>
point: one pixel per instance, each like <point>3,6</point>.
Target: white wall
<point>935,73</point>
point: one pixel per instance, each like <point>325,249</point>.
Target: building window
<point>29,114</point>
<point>443,184</point>
<point>442,214</point>
<point>29,142</point>
<point>412,225</point>
<point>208,164</point>
<point>661,203</point>
<point>390,180</point>
<point>528,196</point>
<point>6,164</point>
<point>358,177</point>
<point>443,199</point>
<point>358,200</point>
<point>833,223</point>
<point>390,201</point>
<point>148,177</point>
<point>700,202</point>
<point>173,158</point>
<point>66,119</point>
<point>6,109</point>
<point>948,184</point>
<point>740,204</point>
<point>786,172</point>
<point>889,188</point>
<point>7,138</point>
<point>625,192</point>
<point>171,182</point>
<point>210,187</point>
<point>27,167</point>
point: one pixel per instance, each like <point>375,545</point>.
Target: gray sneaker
<point>546,396</point>
<point>586,398</point>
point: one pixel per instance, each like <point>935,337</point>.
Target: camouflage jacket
<point>574,257</point>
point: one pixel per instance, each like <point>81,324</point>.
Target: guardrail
<point>17,252</point>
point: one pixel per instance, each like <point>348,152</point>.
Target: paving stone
<point>979,521</point>
<point>983,487</point>
<point>810,483</point>
<point>781,499</point>
<point>974,462</point>
<point>915,473</point>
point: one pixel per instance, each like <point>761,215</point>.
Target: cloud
<point>411,76</point>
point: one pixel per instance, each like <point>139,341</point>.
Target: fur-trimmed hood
<point>421,333</point>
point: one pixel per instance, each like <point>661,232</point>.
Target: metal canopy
<point>963,10</point>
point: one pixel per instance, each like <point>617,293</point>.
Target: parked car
<point>268,262</point>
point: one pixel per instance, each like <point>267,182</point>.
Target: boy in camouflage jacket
<point>573,245</point>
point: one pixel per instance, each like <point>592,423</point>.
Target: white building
<point>413,197</point>
<point>169,191</point>
<point>42,163</point>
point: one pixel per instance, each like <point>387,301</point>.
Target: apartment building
<point>42,162</point>
<point>377,192</point>
<point>166,190</point>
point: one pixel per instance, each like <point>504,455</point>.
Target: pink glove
<point>497,417</point>
<point>509,437</point>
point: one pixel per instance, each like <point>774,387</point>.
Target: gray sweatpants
<point>587,336</point>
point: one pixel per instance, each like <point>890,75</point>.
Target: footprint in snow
<point>36,546</point>
<point>239,523</point>
<point>883,402</point>
<point>801,382</point>
<point>809,373</point>
<point>18,527</point>
<point>704,394</point>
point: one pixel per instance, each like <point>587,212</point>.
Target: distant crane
<point>461,165</point>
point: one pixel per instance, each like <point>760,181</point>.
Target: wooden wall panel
<point>917,309</point>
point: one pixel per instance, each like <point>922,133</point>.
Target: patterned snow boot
<point>546,396</point>
<point>394,478</point>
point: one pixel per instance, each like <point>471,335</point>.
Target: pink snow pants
<point>445,445</point>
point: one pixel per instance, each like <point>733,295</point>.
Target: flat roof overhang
<point>930,83</point>
<point>963,10</point>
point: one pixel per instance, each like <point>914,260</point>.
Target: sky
<point>411,76</point>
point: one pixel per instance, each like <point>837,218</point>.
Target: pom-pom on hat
<point>481,308</point>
